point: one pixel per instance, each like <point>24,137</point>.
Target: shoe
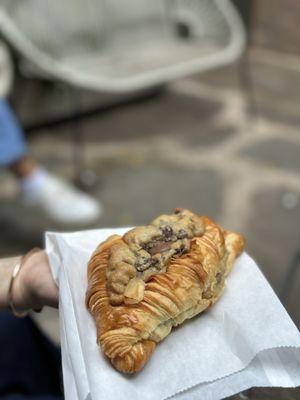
<point>63,202</point>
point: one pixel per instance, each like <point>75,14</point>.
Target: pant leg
<point>29,363</point>
<point>12,142</point>
<point>25,397</point>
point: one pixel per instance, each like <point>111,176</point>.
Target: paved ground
<point>195,146</point>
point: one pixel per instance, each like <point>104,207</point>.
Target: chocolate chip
<point>159,247</point>
<point>180,250</point>
<point>147,246</point>
<point>154,262</point>
<point>144,246</point>
<point>167,231</point>
<point>218,277</point>
<point>182,234</point>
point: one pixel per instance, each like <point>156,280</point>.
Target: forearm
<point>6,269</point>
<point>33,287</point>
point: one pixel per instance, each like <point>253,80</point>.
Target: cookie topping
<point>147,250</point>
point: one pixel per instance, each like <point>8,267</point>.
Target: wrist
<point>23,293</point>
<point>7,266</point>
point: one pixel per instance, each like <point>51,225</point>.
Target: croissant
<point>152,279</point>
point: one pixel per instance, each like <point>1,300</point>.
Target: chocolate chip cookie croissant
<point>152,279</point>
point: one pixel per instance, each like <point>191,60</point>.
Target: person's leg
<point>12,143</point>
<point>29,363</point>
<point>13,148</point>
<point>23,167</point>
<point>38,187</point>
<point>25,397</point>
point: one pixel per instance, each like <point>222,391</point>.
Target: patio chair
<point>121,46</point>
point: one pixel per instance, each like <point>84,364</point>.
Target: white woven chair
<point>119,46</point>
<point>122,45</point>
<point>6,70</point>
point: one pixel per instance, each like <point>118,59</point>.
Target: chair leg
<point>247,86</point>
<point>84,178</point>
<point>290,277</point>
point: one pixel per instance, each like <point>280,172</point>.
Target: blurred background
<point>147,107</point>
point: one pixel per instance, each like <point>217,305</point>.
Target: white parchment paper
<point>246,339</point>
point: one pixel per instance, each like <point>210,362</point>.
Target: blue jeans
<point>12,142</point>
<point>30,367</point>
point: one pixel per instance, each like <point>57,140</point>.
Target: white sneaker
<point>62,202</point>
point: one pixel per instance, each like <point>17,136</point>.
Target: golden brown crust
<point>191,282</point>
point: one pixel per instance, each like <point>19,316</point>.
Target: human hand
<point>34,286</point>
